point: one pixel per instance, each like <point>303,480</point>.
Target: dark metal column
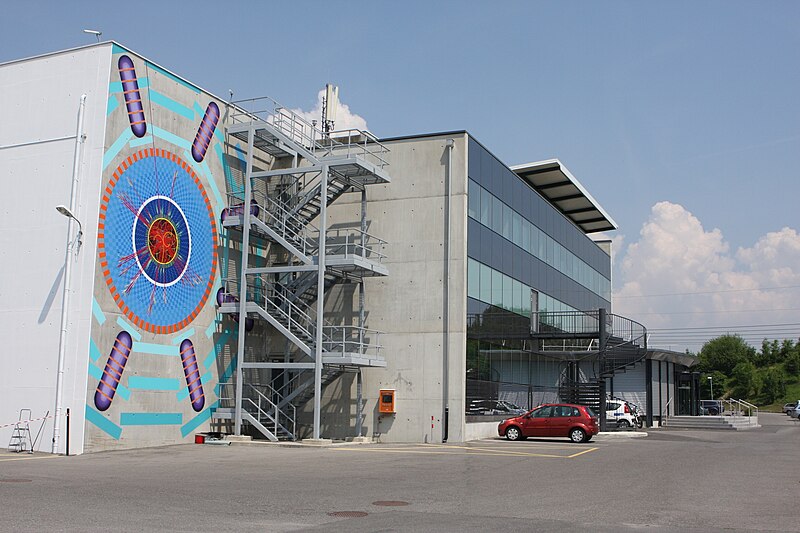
<point>602,363</point>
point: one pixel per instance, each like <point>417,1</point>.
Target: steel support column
<point>323,226</point>
<point>248,192</point>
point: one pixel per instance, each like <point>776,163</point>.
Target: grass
<point>792,394</point>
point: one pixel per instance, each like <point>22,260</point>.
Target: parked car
<point>795,413</point>
<point>712,407</point>
<point>789,407</point>
<point>619,413</point>
<point>577,422</point>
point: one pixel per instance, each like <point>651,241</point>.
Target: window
<point>543,412</point>
<point>474,197</point>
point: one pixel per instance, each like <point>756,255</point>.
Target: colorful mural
<point>158,261</point>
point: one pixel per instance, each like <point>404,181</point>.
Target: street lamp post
<point>62,345</point>
<point>711,384</point>
<point>76,243</point>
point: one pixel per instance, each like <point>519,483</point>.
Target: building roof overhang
<point>558,186</point>
<point>671,356</point>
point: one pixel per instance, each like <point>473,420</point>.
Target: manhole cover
<point>14,480</point>
<point>348,514</point>
<point>390,503</point>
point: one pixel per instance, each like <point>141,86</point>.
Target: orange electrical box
<point>386,401</point>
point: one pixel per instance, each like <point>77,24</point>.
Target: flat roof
<point>558,186</point>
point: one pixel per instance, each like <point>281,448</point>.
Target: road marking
<point>581,453</point>
<point>29,458</point>
<point>449,449</point>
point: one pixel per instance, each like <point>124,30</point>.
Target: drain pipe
<point>450,143</point>
<point>62,344</point>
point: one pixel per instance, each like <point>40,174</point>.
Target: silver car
<point>796,412</point>
<point>789,407</point>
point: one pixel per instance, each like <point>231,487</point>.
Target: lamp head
<point>95,33</point>
<point>64,210</point>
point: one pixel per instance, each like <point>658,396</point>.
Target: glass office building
<point>524,256</point>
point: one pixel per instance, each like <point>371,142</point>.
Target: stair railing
<point>300,233</point>
<point>268,411</point>
<point>352,339</point>
<point>662,419</point>
<point>289,123</point>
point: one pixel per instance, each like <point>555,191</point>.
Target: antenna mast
<point>330,104</point>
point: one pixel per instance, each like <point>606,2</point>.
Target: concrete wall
<point>40,101</point>
<point>409,304</point>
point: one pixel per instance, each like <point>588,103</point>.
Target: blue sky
<point>680,118</point>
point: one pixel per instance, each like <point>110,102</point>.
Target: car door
<point>537,424</point>
<point>562,420</point>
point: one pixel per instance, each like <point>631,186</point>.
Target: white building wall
<point>40,101</point>
<point>631,385</point>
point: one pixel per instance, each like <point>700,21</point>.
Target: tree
<point>744,380</point>
<point>774,385</point>
<point>792,363</point>
<point>724,353</point>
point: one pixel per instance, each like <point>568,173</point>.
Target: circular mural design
<point>157,241</point>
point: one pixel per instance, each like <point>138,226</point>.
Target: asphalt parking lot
<point>671,480</point>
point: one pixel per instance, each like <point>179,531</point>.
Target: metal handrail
<point>266,109</point>
<point>750,408</point>
<point>350,339</point>
<point>352,141</point>
<point>665,412</point>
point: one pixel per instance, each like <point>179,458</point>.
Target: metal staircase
<point>293,173</point>
<point>614,344</point>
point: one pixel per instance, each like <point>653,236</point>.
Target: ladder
<point>21,435</point>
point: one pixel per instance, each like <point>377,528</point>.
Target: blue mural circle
<point>157,241</point>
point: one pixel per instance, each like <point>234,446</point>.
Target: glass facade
<point>517,243</point>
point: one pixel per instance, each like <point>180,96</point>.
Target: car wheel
<point>713,412</point>
<point>577,435</point>
<point>513,433</point>
<point>623,424</point>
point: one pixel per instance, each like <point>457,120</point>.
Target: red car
<point>577,422</point>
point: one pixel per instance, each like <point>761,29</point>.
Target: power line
<point>726,327</point>
<point>719,312</point>
<point>707,292</point>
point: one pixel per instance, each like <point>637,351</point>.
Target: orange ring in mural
<point>157,233</point>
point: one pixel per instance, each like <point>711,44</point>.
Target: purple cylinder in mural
<point>192,372</point>
<point>112,373</point>
<point>204,133</point>
<point>133,98</point>
<point>237,210</point>
<point>226,298</point>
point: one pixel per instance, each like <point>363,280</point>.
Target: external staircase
<point>293,173</point>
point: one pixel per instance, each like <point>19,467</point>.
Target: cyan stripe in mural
<point>156,349</point>
<point>115,148</point>
<point>150,419</point>
<point>147,139</point>
<point>153,383</point>
<point>185,335</point>
<point>193,424</point>
<point>127,327</point>
<point>171,137</point>
<point>97,312</point>
<point>103,423</point>
<point>167,102</point>
<point>112,104</point>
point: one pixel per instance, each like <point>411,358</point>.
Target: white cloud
<point>345,119</point>
<point>675,255</point>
